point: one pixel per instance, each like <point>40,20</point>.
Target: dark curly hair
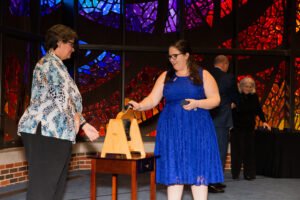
<point>56,33</point>
<point>184,47</point>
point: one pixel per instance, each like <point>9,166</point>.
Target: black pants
<point>242,142</point>
<point>48,161</point>
<point>223,139</point>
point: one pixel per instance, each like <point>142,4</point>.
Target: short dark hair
<point>56,33</point>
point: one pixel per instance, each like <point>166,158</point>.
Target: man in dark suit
<point>222,116</point>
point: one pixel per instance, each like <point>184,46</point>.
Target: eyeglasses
<point>71,43</point>
<point>174,56</point>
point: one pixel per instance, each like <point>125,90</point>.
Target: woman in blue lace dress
<point>186,143</point>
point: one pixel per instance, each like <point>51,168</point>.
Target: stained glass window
<point>16,83</point>
<point>19,7</point>
<point>139,87</point>
<point>99,70</point>
<point>171,23</point>
<point>275,102</point>
<point>141,17</point>
<point>198,12</point>
<point>99,113</point>
<point>267,31</point>
<point>298,16</point>
<point>103,12</point>
<point>226,7</point>
<point>48,6</point>
<point>273,97</point>
<point>297,95</point>
<point>241,2</point>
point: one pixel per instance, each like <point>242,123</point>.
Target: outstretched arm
<point>153,98</point>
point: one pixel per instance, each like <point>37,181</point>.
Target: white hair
<point>245,81</point>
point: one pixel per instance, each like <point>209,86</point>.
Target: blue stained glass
<point>141,17</point>
<point>101,56</point>
<point>81,42</point>
<point>88,52</point>
<point>103,12</point>
<point>102,73</point>
<point>85,67</point>
<point>171,24</point>
<point>43,50</point>
<point>98,71</point>
<point>48,6</point>
<point>116,8</point>
<point>85,71</point>
<point>103,7</point>
<point>19,7</point>
<point>102,64</point>
<point>117,58</point>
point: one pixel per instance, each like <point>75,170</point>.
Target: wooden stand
<point>131,167</point>
<point>120,142</point>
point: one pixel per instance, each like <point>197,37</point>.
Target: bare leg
<point>199,192</point>
<point>175,192</point>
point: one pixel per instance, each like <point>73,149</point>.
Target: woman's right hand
<point>90,132</point>
<point>267,126</point>
<point>135,105</point>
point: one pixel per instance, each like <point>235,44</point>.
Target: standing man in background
<point>222,115</point>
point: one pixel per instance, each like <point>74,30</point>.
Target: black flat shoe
<point>213,189</point>
<point>249,178</point>
<point>219,185</point>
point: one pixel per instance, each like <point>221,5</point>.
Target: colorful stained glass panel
<point>141,17</point>
<point>48,6</point>
<point>19,7</point>
<point>198,12</point>
<point>103,12</point>
<point>271,89</point>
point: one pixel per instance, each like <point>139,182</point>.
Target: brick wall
<point>18,172</point>
<point>80,161</point>
<point>13,173</point>
<point>228,162</point>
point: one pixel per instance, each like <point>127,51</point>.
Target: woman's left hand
<point>90,131</point>
<point>193,104</point>
<point>266,125</point>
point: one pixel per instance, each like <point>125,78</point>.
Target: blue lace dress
<point>186,143</point>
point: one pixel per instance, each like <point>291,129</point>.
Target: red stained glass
<point>266,32</point>
<point>226,8</point>
<point>298,16</point>
<point>273,99</point>
<point>198,11</point>
<point>139,87</point>
<point>12,85</point>
<point>297,93</point>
